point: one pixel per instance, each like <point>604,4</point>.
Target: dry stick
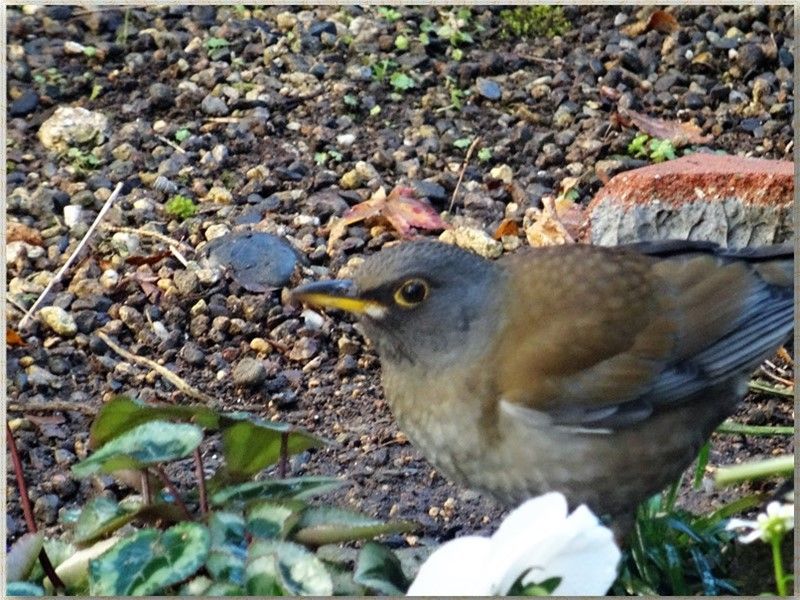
<point>171,143</point>
<point>161,370</point>
<point>201,481</point>
<point>15,304</point>
<point>146,232</point>
<point>47,566</point>
<point>463,170</point>
<point>54,406</point>
<point>74,255</point>
<point>174,491</point>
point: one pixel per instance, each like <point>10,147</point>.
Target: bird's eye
<point>411,293</point>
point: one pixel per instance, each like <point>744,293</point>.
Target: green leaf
<point>149,561</point>
<point>90,51</point>
<point>484,154</point>
<point>215,43</point>
<point>74,571</point>
<point>272,520</point>
<point>401,42</point>
<point>23,588</point>
<point>99,517</point>
<point>251,445</point>
<point>462,143</point>
<point>150,443</point>
<point>277,566</point>
<point>22,556</point>
<point>321,525</point>
<point>228,551</point>
<point>182,134</point>
<point>122,414</point>
<point>401,81</point>
<point>298,487</point>
<point>378,568</point>
<point>702,462</point>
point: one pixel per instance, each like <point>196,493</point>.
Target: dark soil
<point>259,111</point>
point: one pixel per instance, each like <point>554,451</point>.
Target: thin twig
<point>541,59</point>
<point>181,258</point>
<point>161,370</point>
<point>15,304</point>
<point>171,143</point>
<point>74,255</point>
<point>53,406</point>
<point>146,232</point>
<point>463,170</point>
<point>162,475</point>
<point>223,120</point>
<point>47,565</point>
<point>201,481</point>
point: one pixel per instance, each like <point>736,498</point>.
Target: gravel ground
<point>281,121</point>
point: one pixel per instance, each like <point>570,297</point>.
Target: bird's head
<point>420,301</point>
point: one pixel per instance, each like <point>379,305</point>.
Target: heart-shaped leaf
<point>149,561</point>
<point>251,445</point>
<point>294,487</point>
<point>378,568</point>
<point>150,443</point>
<point>284,568</point>
<point>101,516</point>
<point>122,414</point>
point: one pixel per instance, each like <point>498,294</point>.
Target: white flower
<point>778,519</point>
<point>538,539</point>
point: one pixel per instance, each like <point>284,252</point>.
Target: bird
<point>594,371</point>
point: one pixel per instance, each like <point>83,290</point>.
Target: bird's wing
<point>598,338</point>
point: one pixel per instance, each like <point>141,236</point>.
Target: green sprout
<point>402,82</point>
<point>180,207</point>
<point>527,21</point>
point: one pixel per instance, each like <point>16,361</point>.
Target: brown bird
<point>594,371</point>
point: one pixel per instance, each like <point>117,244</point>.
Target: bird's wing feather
<point>607,336</point>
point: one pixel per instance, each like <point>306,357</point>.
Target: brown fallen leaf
<point>678,132</point>
<point>507,227</point>
<point>401,209</point>
<point>13,338</point>
<point>663,22</point>
<point>19,232</point>
<point>546,227</point>
<point>659,20</point>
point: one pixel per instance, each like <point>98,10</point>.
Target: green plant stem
<point>764,430</point>
<point>782,466</point>
<point>768,389</point>
<point>777,562</point>
<point>672,495</point>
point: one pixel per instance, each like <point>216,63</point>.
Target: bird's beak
<point>338,293</point>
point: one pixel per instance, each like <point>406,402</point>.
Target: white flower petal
<point>741,524</point>
<point>456,568</point>
<point>751,537</point>
<point>526,539</point>
<point>587,564</point>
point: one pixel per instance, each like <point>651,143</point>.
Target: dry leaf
<point>13,338</point>
<point>660,20</point>
<point>663,22</point>
<point>507,227</point>
<point>18,232</point>
<point>148,260</point>
<point>400,208</point>
<point>546,227</point>
<point>677,132</point>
